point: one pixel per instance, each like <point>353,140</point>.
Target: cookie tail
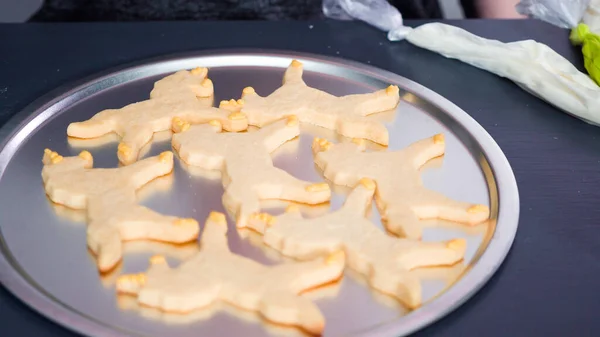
<point>286,308</point>
<point>435,205</point>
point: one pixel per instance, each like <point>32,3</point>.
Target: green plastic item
<point>581,35</point>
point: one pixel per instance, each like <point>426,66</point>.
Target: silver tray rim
<point>477,276</point>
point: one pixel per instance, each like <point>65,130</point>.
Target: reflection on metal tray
<point>44,258</point>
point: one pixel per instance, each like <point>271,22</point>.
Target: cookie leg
<point>142,172</point>
<point>293,74</point>
<point>428,254</point>
<point>242,203</point>
<point>286,308</point>
<point>363,128</point>
<point>275,235</point>
<point>402,221</point>
<point>99,125</point>
<point>214,237</point>
<point>253,107</point>
<point>281,185</point>
<point>309,274</point>
<point>176,299</point>
<point>361,198</point>
<point>370,103</point>
<point>397,283</point>
<point>424,150</point>
<point>105,242</point>
<point>133,140</point>
<point>300,244</point>
<point>133,284</point>
<point>434,205</point>
<point>143,223</point>
<point>176,293</point>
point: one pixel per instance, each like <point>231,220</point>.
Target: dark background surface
<point>548,285</point>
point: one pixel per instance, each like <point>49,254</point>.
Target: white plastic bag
<point>591,17</point>
<point>378,13</point>
<point>533,66</point>
<point>561,13</point>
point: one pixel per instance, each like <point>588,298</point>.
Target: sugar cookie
<point>346,115</point>
<point>384,260</point>
<point>401,197</point>
<point>216,274</point>
<point>113,214</point>
<point>248,173</point>
<point>176,95</point>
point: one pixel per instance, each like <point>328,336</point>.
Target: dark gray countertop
<point>548,284</point>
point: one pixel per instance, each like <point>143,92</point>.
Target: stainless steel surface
<point>45,261</point>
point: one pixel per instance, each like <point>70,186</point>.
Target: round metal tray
<point>45,262</point>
